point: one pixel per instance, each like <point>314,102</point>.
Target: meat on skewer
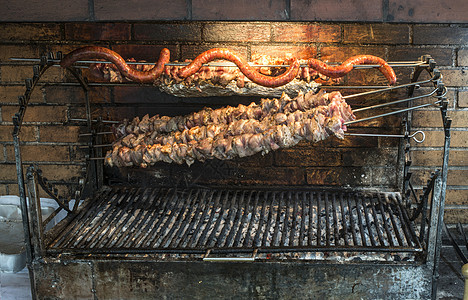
<point>240,138</point>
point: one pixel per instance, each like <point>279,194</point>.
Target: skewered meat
<point>285,124</point>
<point>195,67</point>
<point>223,115</point>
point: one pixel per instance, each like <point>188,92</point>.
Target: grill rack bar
<point>190,221</point>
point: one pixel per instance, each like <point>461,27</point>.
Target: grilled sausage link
<point>347,66</point>
<point>245,68</point>
<point>94,52</point>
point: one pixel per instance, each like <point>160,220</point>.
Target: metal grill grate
<point>192,221</point>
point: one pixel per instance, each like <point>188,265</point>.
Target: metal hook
<point>423,136</point>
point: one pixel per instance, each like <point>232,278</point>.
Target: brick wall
<point>56,148</point>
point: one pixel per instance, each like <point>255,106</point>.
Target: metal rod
<point>97,133</point>
<point>102,121</point>
<point>392,113</point>
<point>219,64</point>
<point>413,136</point>
<point>385,88</point>
<point>395,102</point>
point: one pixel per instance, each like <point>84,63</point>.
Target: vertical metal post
<point>441,187</point>
<point>23,203</point>
<point>37,227</point>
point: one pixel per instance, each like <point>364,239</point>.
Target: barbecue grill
<point>123,240</point>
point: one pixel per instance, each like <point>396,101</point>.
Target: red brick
<point>384,176</point>
<point>342,53</point>
<point>9,94</point>
<point>3,189</point>
<point>37,113</point>
<point>454,177</point>
<point>45,10</point>
<point>463,98</point>
<point>8,172</point>
<point>338,176</point>
<point>463,57</point>
<point>97,31</point>
<point>336,10</point>
<point>149,53</point>
<point>307,157</point>
<point>442,56</point>
<point>453,216</point>
<point>42,153</point>
<point>271,176</point>
<point>21,51</point>
<point>27,134</point>
<point>236,32</point>
<point>192,51</point>
<point>59,133</point>
<point>449,11</point>
<point>281,50</point>
<point>434,157</point>
<point>61,172</point>
<point>72,94</point>
<point>348,142</point>
<point>306,33</point>
<point>441,35</point>
<point>432,118</point>
<point>455,77</point>
<point>436,139</point>
<point>108,10</point>
<point>239,10</point>
<point>20,73</point>
<point>168,32</point>
<point>29,31</point>
<point>369,157</point>
<point>376,34</point>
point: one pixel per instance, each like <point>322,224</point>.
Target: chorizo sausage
<point>95,52</point>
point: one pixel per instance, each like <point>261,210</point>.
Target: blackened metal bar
<point>205,207</point>
<point>361,227</point>
<point>183,232</point>
<point>351,220</point>
<point>137,223</point>
<point>237,220</point>
<point>161,224</point>
<point>85,218</point>
<point>376,221</point>
<point>248,236</point>
<point>177,223</point>
<point>261,221</point>
<point>227,222</point>
<point>327,219</point>
<point>335,220</point>
<point>244,218</point>
<point>212,236</point>
<point>284,231</point>
<point>396,228</point>
<point>266,233</point>
<point>274,242</point>
<point>386,226</point>
<point>343,218</point>
<point>159,206</point>
<point>303,217</point>
<point>116,232</point>
<point>77,221</point>
<point>402,222</point>
<point>311,219</point>
<point>361,200</point>
<point>201,240</point>
<point>158,221</point>
<point>407,223</point>
<point>107,220</point>
<point>162,232</point>
<point>292,236</point>
<point>319,221</point>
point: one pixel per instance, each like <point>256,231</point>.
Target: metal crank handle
<point>413,136</point>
